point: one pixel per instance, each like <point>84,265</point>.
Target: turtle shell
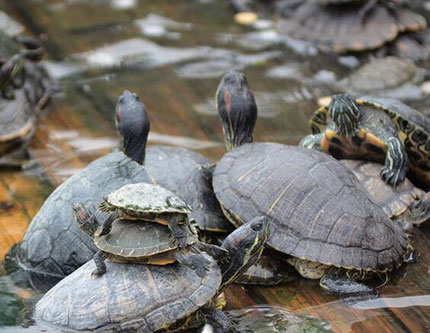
<point>144,198</point>
<point>318,208</point>
<point>337,28</point>
<point>53,246</point>
<point>189,176</point>
<point>394,201</point>
<point>130,239</point>
<point>143,298</point>
<point>381,74</point>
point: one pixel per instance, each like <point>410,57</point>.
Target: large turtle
<point>151,298</point>
<point>341,28</point>
<point>134,242</point>
<point>377,129</point>
<point>385,77</point>
<point>405,202</point>
<point>53,246</point>
<point>320,211</point>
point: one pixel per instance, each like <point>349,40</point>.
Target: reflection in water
<point>398,302</point>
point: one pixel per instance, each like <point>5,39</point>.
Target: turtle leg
<point>312,141</point>
<point>107,225</point>
<point>197,262</point>
<point>177,225</point>
<point>319,120</point>
<point>217,319</point>
<point>338,283</point>
<point>420,210</point>
<point>99,260</point>
<point>396,163</point>
<point>218,253</point>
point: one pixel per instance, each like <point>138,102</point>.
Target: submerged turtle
<point>376,129</point>
<point>182,171</point>
<point>406,201</point>
<point>385,77</point>
<point>133,242</point>
<point>147,202</point>
<point>151,298</point>
<point>348,28</point>
<point>53,246</point>
<point>319,210</point>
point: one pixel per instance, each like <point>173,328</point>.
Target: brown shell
<point>318,208</point>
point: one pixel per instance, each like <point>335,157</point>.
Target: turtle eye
<point>257,226</point>
<point>121,99</point>
<point>136,98</point>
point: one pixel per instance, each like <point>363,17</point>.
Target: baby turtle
<point>406,201</point>
<point>147,202</point>
<point>376,129</point>
<point>348,28</point>
<point>385,77</point>
<point>319,210</point>
<point>133,242</point>
<point>151,298</point>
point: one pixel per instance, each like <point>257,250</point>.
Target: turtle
<point>343,28</point>
<point>385,77</point>
<point>19,115</point>
<point>151,298</point>
<point>134,242</point>
<point>320,212</point>
<point>377,129</point>
<point>182,171</point>
<point>147,202</point>
<point>53,246</point>
<point>406,202</point>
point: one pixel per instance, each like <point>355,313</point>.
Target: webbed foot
<point>312,141</point>
<point>180,241</point>
<point>197,262</point>
<point>420,210</point>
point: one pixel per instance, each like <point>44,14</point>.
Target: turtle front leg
<point>197,262</point>
<point>396,163</point>
<point>312,141</point>
<point>107,225</point>
<point>178,226</point>
<point>218,253</point>
<point>99,260</point>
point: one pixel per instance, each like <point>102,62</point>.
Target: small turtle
<point>320,212</point>
<point>348,28</point>
<point>133,242</point>
<point>147,202</point>
<point>385,77</point>
<point>376,129</point>
<point>406,201</point>
<point>151,298</point>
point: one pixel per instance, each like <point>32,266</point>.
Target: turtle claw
<point>420,210</point>
<point>197,262</point>
<point>181,241</point>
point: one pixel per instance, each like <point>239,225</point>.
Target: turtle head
<point>245,246</point>
<point>83,218</point>
<point>237,109</point>
<point>132,123</point>
<point>344,112</point>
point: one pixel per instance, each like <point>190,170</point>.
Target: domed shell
<point>318,208</point>
<point>143,298</point>
<point>129,239</point>
<point>147,198</point>
<point>188,175</point>
<point>394,201</point>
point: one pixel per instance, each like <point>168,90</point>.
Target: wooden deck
<point>83,119</point>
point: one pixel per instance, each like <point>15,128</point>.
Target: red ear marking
<point>227,100</point>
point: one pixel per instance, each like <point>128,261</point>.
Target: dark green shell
<point>319,210</point>
<point>138,298</point>
<point>337,28</point>
<point>131,239</point>
<point>189,176</point>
